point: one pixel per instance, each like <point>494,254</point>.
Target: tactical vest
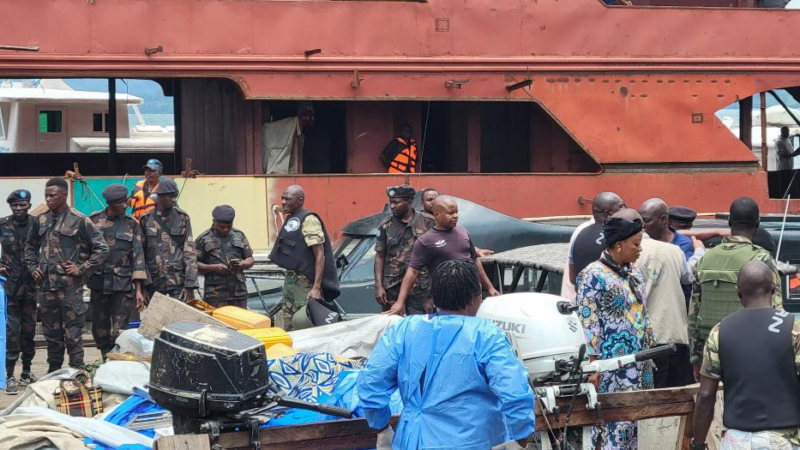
<point>756,354</point>
<point>292,253</point>
<point>717,277</point>
<point>404,161</point>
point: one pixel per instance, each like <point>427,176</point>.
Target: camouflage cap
<point>402,191</point>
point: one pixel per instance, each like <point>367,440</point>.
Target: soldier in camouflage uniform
<point>396,238</point>
<point>223,254</point>
<point>714,289</point>
<point>760,353</point>
<point>169,249</point>
<point>119,282</point>
<point>63,247</point>
<point>20,290</point>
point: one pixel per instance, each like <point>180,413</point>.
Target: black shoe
<point>11,386</point>
<point>27,377</point>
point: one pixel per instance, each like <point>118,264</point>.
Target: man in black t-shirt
<point>589,244</point>
<point>444,242</point>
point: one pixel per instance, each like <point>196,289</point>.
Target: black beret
<point>402,191</point>
<point>168,187</point>
<point>682,214</point>
<point>114,193</point>
<point>223,213</point>
<point>20,195</point>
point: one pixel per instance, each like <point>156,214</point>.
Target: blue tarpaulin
<point>343,394</point>
<point>123,413</point>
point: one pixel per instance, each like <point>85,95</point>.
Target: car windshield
<point>345,246</point>
<point>362,263</point>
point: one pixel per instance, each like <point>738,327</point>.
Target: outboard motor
<point>546,329</point>
<point>547,335</point>
<point>214,379</point>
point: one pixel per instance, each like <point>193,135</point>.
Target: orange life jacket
<point>406,160</point>
<point>140,204</point>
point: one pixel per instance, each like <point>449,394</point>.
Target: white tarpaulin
<point>348,339</point>
<point>279,146</point>
<point>106,433</point>
<point>30,431</point>
<point>121,377</point>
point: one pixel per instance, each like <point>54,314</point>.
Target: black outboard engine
<point>213,379</point>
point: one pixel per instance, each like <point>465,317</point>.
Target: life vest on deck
<point>406,159</point>
<point>141,204</point>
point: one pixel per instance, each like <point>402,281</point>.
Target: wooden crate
<point>164,310</point>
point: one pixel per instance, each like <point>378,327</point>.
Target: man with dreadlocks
<point>461,384</point>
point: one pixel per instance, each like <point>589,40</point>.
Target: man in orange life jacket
<point>400,155</point>
<point>143,199</point>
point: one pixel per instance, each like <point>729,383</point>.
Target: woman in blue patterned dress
<point>612,310</point>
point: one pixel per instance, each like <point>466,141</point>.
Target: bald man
<point>446,241</point>
<point>655,215</point>
<point>303,248</point>
<point>755,352</point>
<point>588,243</point>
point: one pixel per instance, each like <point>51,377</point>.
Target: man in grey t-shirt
<point>444,242</point>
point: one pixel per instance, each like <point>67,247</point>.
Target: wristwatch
<point>693,446</point>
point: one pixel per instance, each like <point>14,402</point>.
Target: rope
<point>547,422</point>
<point>86,191</point>
<point>422,147</point>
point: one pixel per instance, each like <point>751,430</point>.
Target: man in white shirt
<point>665,270</point>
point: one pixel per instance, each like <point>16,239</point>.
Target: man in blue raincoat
<point>461,384</point>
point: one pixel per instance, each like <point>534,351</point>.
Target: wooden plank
<point>164,310</point>
<point>183,442</point>
<point>684,432</point>
<point>337,443</point>
<point>348,428</point>
<point>350,434</point>
<point>584,417</point>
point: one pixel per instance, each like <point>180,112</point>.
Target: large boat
<point>529,108</point>
<point>48,116</point>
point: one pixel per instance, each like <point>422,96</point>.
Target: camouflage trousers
<point>762,440</point>
<point>21,327</point>
<point>110,314</point>
<point>63,316</point>
<point>295,291</point>
<point>173,293</point>
<point>219,295</point>
<point>415,302</point>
